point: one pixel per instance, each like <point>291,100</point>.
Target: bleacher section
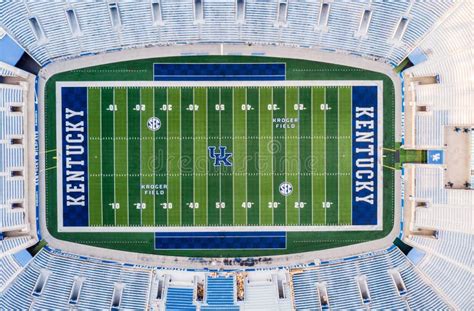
<point>180,298</point>
<point>13,244</point>
<point>49,35</point>
<point>48,282</point>
<point>472,159</point>
<point>449,102</point>
<point>450,217</point>
<point>12,181</point>
<point>454,245</point>
<point>10,267</point>
<point>262,293</point>
<point>452,279</point>
<point>337,282</point>
<point>220,293</point>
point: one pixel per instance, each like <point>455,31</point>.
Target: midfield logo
<point>222,157</point>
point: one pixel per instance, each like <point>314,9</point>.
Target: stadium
<point>236,155</point>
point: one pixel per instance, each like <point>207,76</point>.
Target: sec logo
<point>286,188</point>
<point>153,124</point>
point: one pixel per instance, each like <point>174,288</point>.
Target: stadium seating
<point>11,245</point>
<point>220,293</point>
<point>453,280</point>
<point>450,57</point>
<point>59,280</point>
<point>450,217</point>
<point>340,282</point>
<point>9,269</point>
<point>454,245</point>
<point>180,298</point>
<point>265,290</point>
<point>430,187</point>
<point>48,282</point>
<point>45,30</point>
<point>12,155</point>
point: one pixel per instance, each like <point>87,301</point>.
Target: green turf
<point>221,124</point>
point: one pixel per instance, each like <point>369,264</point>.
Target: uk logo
<point>221,158</point>
<point>435,157</point>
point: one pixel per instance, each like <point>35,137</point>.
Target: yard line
<point>154,155</point>
<point>220,168</point>
<point>207,162</point>
<point>325,160</point>
<point>265,156</point>
<point>299,155</point>
<point>101,155</point>
<point>239,168</point>
<point>312,156</point>
<point>141,151</point>
<point>246,162</point>
<point>147,156</point>
<point>194,157</point>
<point>180,165</point>
<point>318,154</point>
<point>126,105</point>
<point>273,177</point>
<point>292,169</point>
<point>167,165</point>
<point>339,151</point>
<point>113,126</point>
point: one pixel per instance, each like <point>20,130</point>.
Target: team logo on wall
<point>153,124</point>
<point>285,188</point>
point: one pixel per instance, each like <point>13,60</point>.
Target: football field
<point>238,155</point>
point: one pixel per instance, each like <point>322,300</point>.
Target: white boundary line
<point>230,228</point>
<point>297,83</point>
<point>88,146</point>
<point>377,83</point>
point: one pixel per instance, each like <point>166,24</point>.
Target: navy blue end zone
<point>220,240</point>
<point>219,72</point>
<point>74,157</point>
<point>364,155</point>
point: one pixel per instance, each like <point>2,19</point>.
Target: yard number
<point>247,204</point>
<point>300,204</point>
<point>327,204</point>
<point>139,108</point>
<point>299,107</point>
<point>193,205</point>
<point>193,107</point>
<point>273,204</point>
<point>325,107</point>
<point>167,205</point>
<point>140,205</point>
<point>115,205</point>
<point>167,107</point>
<point>112,108</point>
<point>220,107</point>
<point>220,204</point>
